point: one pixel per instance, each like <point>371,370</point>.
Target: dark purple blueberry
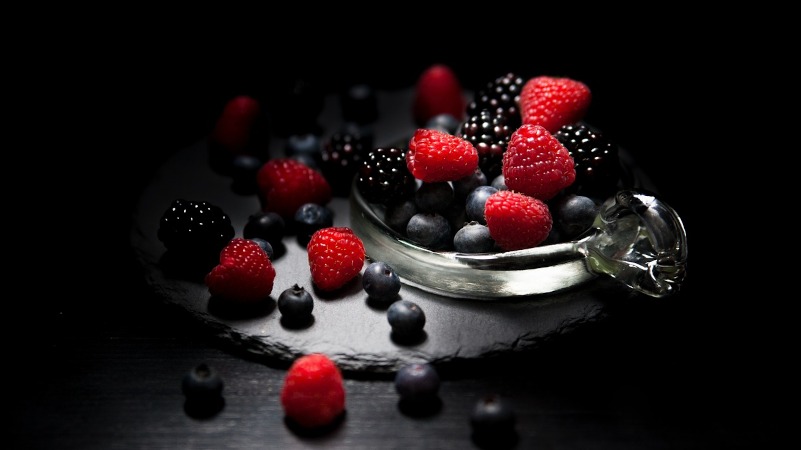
<point>266,246</point>
<point>243,173</point>
<point>380,281</point>
<point>406,318</point>
<point>443,122</point>
<point>476,200</point>
<point>434,197</point>
<point>464,186</point>
<point>492,417</point>
<point>191,228</point>
<point>398,215</point>
<point>295,304</point>
<point>202,384</point>
<point>267,225</point>
<point>360,104</point>
<point>417,382</point>
<point>574,214</point>
<point>499,183</point>
<point>384,177</point>
<point>473,237</point>
<point>304,144</point>
<point>430,230</point>
<point>309,218</point>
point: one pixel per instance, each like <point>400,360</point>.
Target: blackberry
<point>383,177</point>
<point>341,157</point>
<point>195,228</point>
<point>594,156</point>
<point>501,97</point>
<point>489,133</point>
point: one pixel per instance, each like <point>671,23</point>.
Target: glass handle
<point>640,241</point>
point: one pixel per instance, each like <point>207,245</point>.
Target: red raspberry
<point>435,155</point>
<point>285,184</point>
<point>244,275</point>
<point>517,221</point>
<point>313,393</point>
<point>553,102</point>
<point>536,163</point>
<point>336,256</point>
<point>438,91</point>
<point>234,128</point>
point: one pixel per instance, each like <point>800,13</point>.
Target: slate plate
<point>348,327</point>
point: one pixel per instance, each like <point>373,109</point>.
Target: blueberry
<point>398,215</point>
<point>464,186</point>
<point>417,382</point>
<point>476,200</point>
<point>295,304</point>
<point>406,318</point>
<point>574,214</point>
<point>243,172</point>
<point>473,237</point>
<point>430,230</point>
<point>266,246</point>
<point>309,218</point>
<point>304,144</point>
<point>499,183</point>
<point>380,281</point>
<point>492,417</point>
<point>443,122</point>
<point>360,104</point>
<point>269,226</point>
<point>434,196</point>
<point>202,384</point>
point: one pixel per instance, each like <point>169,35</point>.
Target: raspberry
<point>536,163</point>
<point>244,275</point>
<point>336,256</point>
<point>234,130</point>
<point>434,156</point>
<point>285,184</point>
<point>313,394</point>
<point>438,91</point>
<point>384,178</point>
<point>191,228</point>
<point>517,221</point>
<point>553,101</point>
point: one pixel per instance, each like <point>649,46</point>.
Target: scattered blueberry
<point>304,144</point>
<point>473,237</point>
<point>432,231</point>
<point>444,122</point>
<point>309,218</point>
<point>417,382</point>
<point>295,304</point>
<point>243,173</point>
<point>398,215</point>
<point>499,183</point>
<point>476,200</point>
<point>406,318</point>
<point>434,196</point>
<point>360,104</point>
<point>380,281</point>
<point>464,186</point>
<point>492,417</point>
<point>269,226</point>
<point>202,384</point>
<point>574,214</point>
<point>266,246</point>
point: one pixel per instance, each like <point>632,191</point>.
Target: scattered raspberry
<point>552,102</point>
<point>313,394</point>
<point>336,256</point>
<point>435,156</point>
<point>233,130</point>
<point>536,163</point>
<point>438,91</point>
<point>244,275</point>
<point>517,221</point>
<point>285,184</point>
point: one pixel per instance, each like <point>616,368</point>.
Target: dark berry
<point>266,246</point>
<point>406,318</point>
<point>266,225</point>
<point>476,200</point>
<point>417,382</point>
<point>464,186</point>
<point>574,214</point>
<point>360,104</point>
<point>304,144</point>
<point>492,416</point>
<point>342,155</point>
<point>384,178</point>
<point>434,197</point>
<point>243,173</point>
<point>195,228</point>
<point>473,237</point>
<point>489,134</point>
<point>201,384</point>
<point>309,218</point>
<point>430,230</point>
<point>295,304</point>
<point>499,183</point>
<point>443,122</point>
<point>300,102</point>
<point>398,215</point>
<point>380,281</point>
<point>501,97</point>
<point>595,159</point>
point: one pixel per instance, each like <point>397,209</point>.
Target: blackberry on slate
<point>195,228</point>
<point>341,158</point>
<point>501,97</point>
<point>489,133</point>
<point>383,176</point>
<point>595,158</point>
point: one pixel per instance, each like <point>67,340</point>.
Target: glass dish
<point>636,239</point>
